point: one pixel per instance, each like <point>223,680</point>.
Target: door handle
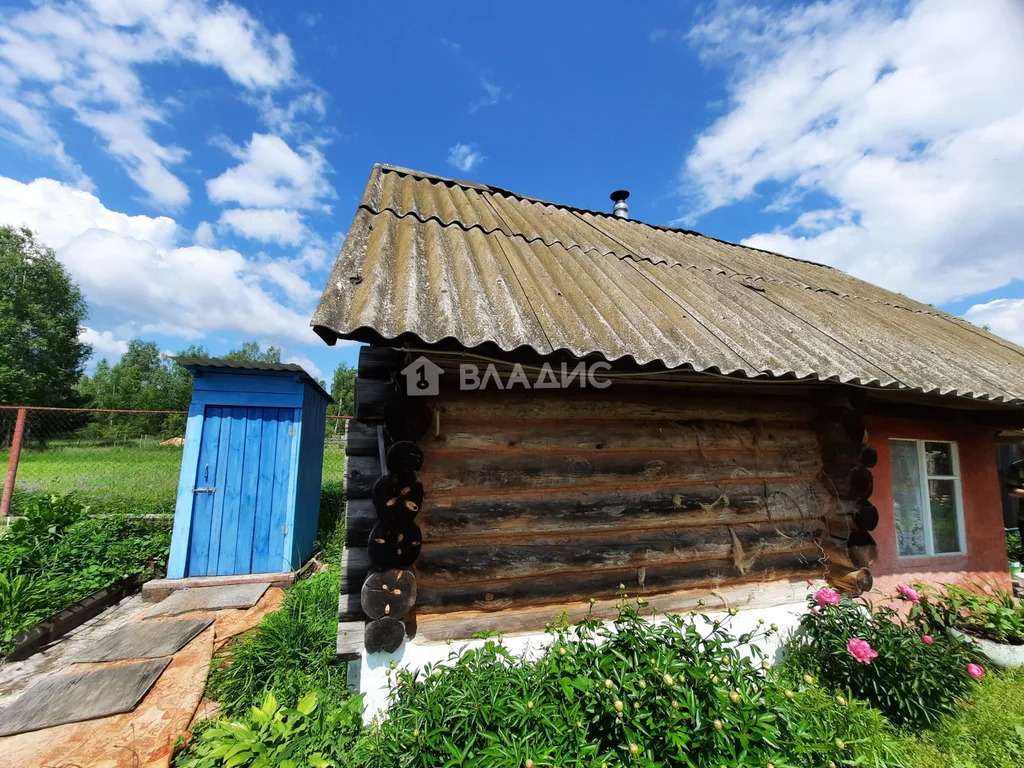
<point>210,489</point>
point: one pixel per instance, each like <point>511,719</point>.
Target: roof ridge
<point>448,181</point>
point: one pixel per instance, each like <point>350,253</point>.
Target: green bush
<point>988,733</point>
<point>273,736</point>
<point>674,691</point>
<point>981,610</point>
<point>913,679</point>
<point>1014,548</point>
<point>58,553</point>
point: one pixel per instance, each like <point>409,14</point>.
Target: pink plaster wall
<point>983,511</point>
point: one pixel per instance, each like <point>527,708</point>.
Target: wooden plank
<point>360,517</point>
<point>180,538</point>
<point>568,511</point>
<point>361,472</point>
<point>232,495</point>
<point>482,470</point>
<point>623,435</point>
<point>249,490</point>
<point>444,562</point>
<point>250,399</point>
<point>349,644</point>
<point>265,498</point>
<point>361,439</point>
<point>202,511</point>
<point>225,488</point>
<point>283,505</point>
<point>448,625</point>
<point>582,585</point>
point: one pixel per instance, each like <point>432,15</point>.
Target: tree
<point>343,390</point>
<point>250,352</point>
<point>41,312</point>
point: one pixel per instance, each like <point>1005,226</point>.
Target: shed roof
<point>193,363</point>
<point>439,259</point>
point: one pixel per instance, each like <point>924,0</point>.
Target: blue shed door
<point>240,497</point>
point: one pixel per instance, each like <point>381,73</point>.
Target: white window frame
<point>958,498</point>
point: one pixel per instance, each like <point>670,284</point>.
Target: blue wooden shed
<point>249,491</point>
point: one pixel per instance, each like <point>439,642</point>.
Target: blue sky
<point>196,165</point>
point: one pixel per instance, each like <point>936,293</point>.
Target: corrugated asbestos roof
<point>443,259</point>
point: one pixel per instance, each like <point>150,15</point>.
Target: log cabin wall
<point>555,496</point>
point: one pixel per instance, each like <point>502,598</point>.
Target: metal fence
<point>115,460</point>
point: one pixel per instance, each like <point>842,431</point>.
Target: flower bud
<point>608,683</point>
<point>668,679</point>
<point>789,694</point>
<point>528,763</point>
<point>734,697</point>
<point>718,725</point>
<point>529,705</point>
<point>618,705</point>
<point>633,749</point>
<point>841,701</point>
<point>808,679</point>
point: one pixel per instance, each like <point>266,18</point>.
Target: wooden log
<point>447,561</point>
<point>394,546</point>
<point>360,517</point>
<point>856,484</point>
<point>404,458</point>
<point>481,470</point>
<point>355,564</point>
<point>407,418</point>
<point>362,439</point>
<point>380,362</point>
<point>460,624</point>
<point>622,435</point>
<point>862,548</point>
<point>361,472</point>
<point>371,397</point>
<point>865,517</point>
<point>388,593</point>
<point>613,508</point>
<point>837,556</point>
<point>852,583</point>
<point>385,635</point>
<point>868,456</point>
<point>396,501</point>
<point>500,595</point>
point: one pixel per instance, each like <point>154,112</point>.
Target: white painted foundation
<point>373,680</point>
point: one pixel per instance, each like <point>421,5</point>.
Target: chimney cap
<point>619,194</point>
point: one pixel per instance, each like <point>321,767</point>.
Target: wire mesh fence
<point>117,460</point>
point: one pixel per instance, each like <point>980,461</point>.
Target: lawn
<point>140,477</point>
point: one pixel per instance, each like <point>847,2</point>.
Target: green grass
<point>988,733</point>
<point>138,477</point>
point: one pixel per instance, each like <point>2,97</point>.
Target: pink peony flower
<point>815,609</point>
<point>909,593</point>
<point>927,639</point>
<point>976,671</point>
<point>810,582</point>
<point>861,650</point>
<point>826,596</point>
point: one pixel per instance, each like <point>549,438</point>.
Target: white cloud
<point>464,157</point>
<point>103,343</point>
<point>135,265</point>
<point>910,126</point>
<point>276,225</point>
<point>204,234</point>
<point>493,94</point>
<point>271,174</point>
<point>310,367</point>
<point>85,57</point>
<point>1004,317</point>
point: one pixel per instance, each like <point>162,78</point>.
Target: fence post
<point>12,464</point>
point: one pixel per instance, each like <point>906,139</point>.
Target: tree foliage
<point>343,390</point>
<point>41,311</point>
<point>250,352</point>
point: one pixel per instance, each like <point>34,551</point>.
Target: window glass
<point>945,532</point>
<point>908,505</point>
<point>939,457</point>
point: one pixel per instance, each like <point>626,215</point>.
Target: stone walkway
<point>144,736</point>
